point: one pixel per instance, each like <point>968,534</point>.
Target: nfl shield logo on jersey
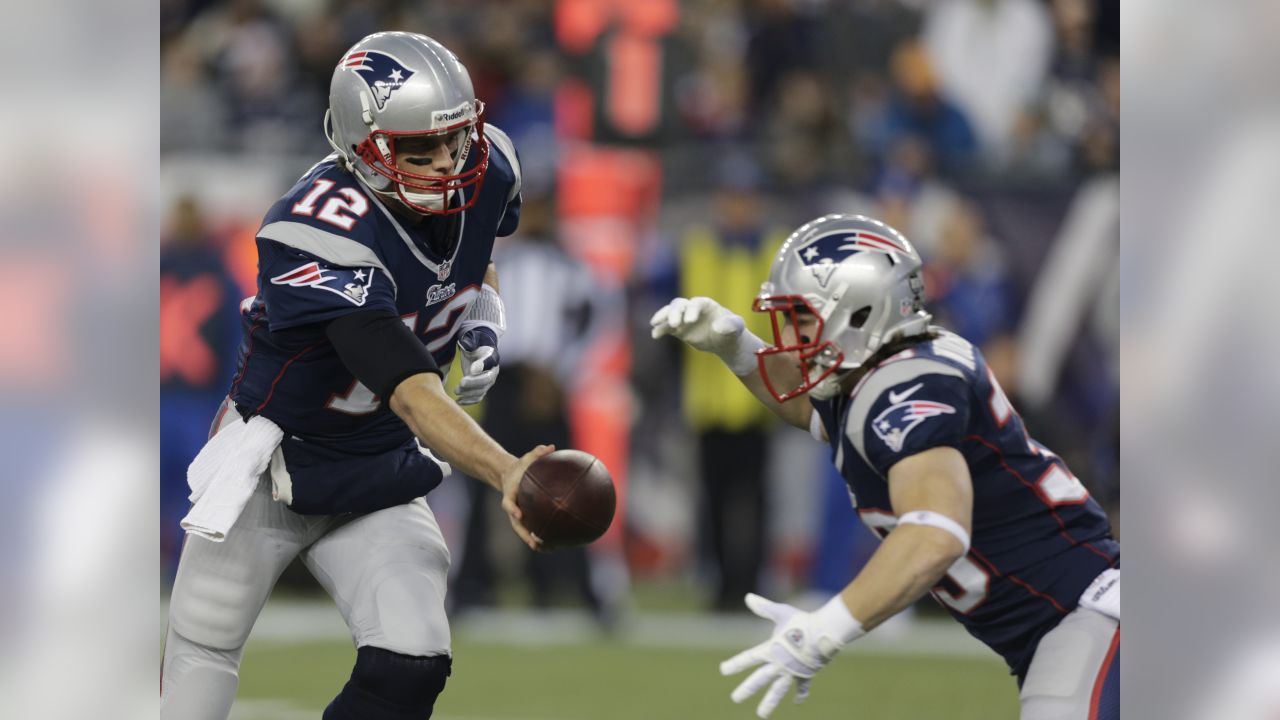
<point>897,421</point>
<point>381,72</point>
<point>827,251</point>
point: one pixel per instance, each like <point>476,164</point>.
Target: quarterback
<point>938,463</point>
<point>373,271</point>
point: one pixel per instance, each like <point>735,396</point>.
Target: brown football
<point>567,499</point>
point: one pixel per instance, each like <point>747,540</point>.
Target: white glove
<point>801,644</point>
<point>705,325</point>
<point>479,347</point>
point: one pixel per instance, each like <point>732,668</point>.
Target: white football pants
<point>1071,664</point>
<point>386,570</point>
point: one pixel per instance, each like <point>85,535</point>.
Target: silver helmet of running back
<point>860,279</point>
<point>396,86</point>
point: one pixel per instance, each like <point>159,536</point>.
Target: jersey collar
<point>441,269</point>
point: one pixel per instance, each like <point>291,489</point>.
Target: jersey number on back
<point>1057,486</point>
<point>341,209</point>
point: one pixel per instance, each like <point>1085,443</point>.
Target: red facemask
<point>442,184</point>
<point>789,307</point>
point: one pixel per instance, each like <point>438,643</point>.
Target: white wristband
<point>938,520</point>
<point>834,620</point>
<point>486,310</point>
<point>743,359</point>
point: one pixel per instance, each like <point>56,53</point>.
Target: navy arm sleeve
<point>379,349</point>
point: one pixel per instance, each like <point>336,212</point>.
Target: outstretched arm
<point>927,486</point>
<point>706,325</point>
<point>384,355</point>
<point>933,496</point>
<point>424,405</point>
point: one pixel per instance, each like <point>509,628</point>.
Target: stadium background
<point>650,132</point>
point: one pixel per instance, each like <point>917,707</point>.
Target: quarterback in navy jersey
<point>938,463</point>
<point>373,271</point>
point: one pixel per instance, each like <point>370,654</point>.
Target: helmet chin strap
<point>428,199</point>
<point>828,387</point>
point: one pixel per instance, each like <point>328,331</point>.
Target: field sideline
<point>558,666</point>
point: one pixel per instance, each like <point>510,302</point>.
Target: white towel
<point>224,475</point>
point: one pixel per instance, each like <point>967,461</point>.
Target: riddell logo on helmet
<point>447,117</point>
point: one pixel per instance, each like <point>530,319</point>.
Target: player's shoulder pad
<point>893,384</point>
<point>333,249</point>
<point>343,235</point>
<point>951,349</point>
<point>500,145</point>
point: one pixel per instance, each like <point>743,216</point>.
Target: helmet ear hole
<point>859,318</point>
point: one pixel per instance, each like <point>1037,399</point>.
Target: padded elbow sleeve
<point>379,349</point>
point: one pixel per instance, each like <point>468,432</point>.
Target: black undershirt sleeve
<point>379,349</point>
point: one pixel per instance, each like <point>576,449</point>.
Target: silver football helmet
<point>860,280</point>
<point>402,88</point>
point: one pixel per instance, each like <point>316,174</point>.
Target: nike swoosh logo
<point>895,398</point>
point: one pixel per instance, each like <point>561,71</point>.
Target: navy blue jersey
<point>331,247</point>
<point>1038,538</point>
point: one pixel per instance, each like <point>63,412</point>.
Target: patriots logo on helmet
<point>351,285</point>
<point>381,72</point>
<point>826,252</point>
<point>897,421</point>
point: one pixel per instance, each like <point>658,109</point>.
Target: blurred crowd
<point>986,130</point>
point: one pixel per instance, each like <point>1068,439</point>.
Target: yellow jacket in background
<point>731,275</point>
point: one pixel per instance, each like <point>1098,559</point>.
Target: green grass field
<point>635,676</point>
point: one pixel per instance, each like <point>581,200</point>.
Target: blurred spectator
<point>192,115</point>
<point>967,281</point>
<point>527,115</point>
<point>858,37</point>
<point>727,260</point>
<point>911,197</point>
<point>1074,122</point>
<point>1100,147</point>
<point>782,41</point>
<point>551,319</point>
<point>915,109</point>
<point>804,140</point>
<point>713,93</point>
<point>199,332</point>
<point>253,62</point>
<point>991,57</point>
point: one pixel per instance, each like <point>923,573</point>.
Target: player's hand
<point>802,643</point>
<point>511,486</point>
<point>479,347</point>
<point>706,325</point>
<point>701,322</point>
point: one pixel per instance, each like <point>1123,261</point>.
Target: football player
<point>373,270</point>
<point>938,463</point>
